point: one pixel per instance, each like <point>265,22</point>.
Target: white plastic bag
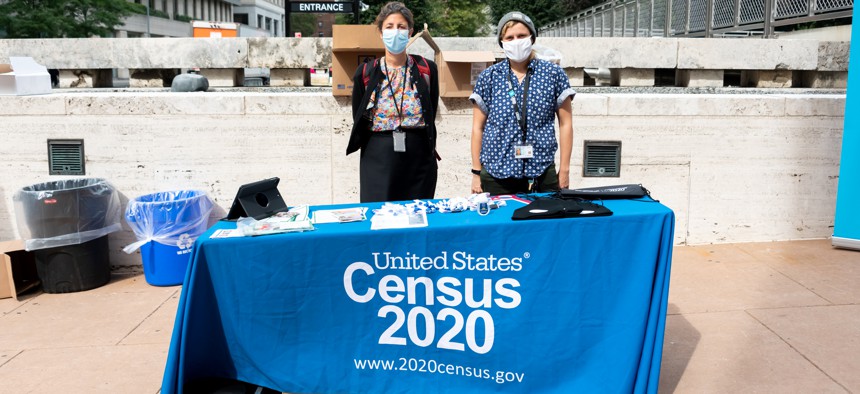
<point>547,53</point>
<point>66,212</point>
<point>168,217</point>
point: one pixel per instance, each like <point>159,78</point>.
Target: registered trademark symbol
<point>527,255</point>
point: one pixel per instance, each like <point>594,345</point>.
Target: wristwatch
<point>476,172</point>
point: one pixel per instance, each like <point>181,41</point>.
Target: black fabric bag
<point>615,192</point>
<point>553,208</point>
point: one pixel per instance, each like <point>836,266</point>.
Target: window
<point>259,21</point>
<point>240,18</point>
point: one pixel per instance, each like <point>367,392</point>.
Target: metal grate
<point>724,13</point>
<point>751,11</point>
<point>698,15</point>
<point>602,159</point>
<point>832,5</point>
<point>644,28</point>
<point>629,20</point>
<point>679,16</point>
<point>66,157</point>
<point>642,18</point>
<point>787,8</point>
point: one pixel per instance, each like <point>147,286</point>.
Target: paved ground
<point>780,317</point>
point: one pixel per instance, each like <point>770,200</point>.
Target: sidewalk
<point>760,317</point>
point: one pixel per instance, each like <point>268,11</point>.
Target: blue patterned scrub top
<point>548,88</point>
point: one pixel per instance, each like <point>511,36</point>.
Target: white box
<point>23,77</point>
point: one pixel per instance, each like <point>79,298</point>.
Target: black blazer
<point>429,96</point>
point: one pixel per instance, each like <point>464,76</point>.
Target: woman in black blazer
<point>394,102</point>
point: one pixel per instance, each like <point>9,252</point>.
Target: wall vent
<point>66,157</point>
<point>602,159</point>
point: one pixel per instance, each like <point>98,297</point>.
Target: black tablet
<point>257,200</point>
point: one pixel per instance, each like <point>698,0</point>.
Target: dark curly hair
<point>394,7</point>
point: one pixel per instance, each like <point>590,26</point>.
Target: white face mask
<point>518,50</point>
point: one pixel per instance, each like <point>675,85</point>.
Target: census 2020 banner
<point>449,302</point>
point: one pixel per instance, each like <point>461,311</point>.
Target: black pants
<point>386,175</point>
<point>546,182</point>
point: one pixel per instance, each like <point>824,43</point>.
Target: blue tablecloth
<point>470,304</point>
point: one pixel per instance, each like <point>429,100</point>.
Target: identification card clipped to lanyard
<point>522,150</point>
<point>399,140</point>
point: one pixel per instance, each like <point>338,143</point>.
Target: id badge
<point>399,140</point>
<point>524,151</point>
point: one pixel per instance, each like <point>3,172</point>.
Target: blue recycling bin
<point>166,225</point>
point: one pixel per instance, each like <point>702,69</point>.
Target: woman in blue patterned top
<point>515,105</point>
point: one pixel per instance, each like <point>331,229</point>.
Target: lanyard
<point>402,92</point>
<point>520,112</point>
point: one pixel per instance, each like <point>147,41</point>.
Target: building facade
<point>265,15</point>
<point>171,18</point>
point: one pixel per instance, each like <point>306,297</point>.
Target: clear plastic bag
<point>547,53</point>
<point>168,217</point>
<point>66,212</point>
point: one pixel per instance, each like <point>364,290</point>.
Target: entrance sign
<point>321,6</point>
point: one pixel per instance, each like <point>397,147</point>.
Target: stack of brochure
<point>294,220</point>
<point>344,215</point>
<point>397,216</point>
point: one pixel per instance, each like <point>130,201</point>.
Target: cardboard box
<point>354,44</point>
<point>458,70</point>
<point>23,76</point>
<point>17,269</point>
<point>351,45</point>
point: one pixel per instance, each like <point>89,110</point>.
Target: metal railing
<point>694,18</point>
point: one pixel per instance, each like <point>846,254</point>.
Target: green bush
<point>141,9</point>
<point>137,8</point>
<point>158,14</point>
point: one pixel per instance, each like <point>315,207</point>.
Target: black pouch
<point>553,208</point>
<point>615,192</point>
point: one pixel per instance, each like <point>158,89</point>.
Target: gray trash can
<point>65,223</point>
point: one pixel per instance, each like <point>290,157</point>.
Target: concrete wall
<point>733,167</point>
<point>814,63</point>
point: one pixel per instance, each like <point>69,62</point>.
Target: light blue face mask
<point>395,40</point>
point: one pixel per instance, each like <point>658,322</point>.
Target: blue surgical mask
<point>395,40</point>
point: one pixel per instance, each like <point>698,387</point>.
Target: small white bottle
<point>482,203</point>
